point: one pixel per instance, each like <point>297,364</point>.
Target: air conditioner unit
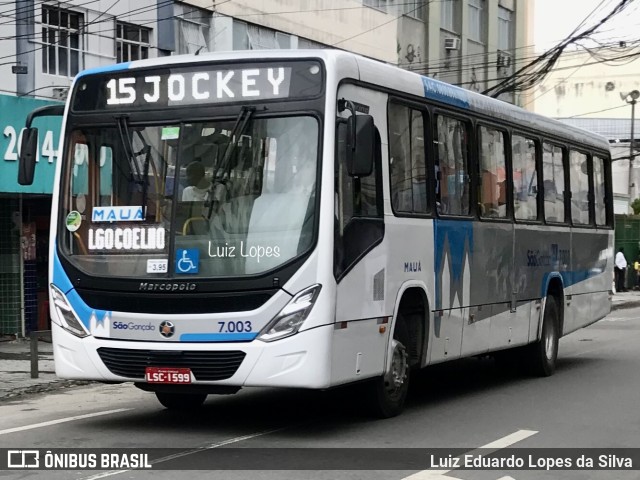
<point>451,43</point>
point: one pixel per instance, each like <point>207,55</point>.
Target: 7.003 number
<point>233,327</point>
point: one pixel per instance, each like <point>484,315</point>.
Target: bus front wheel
<point>542,355</point>
<point>181,401</point>
<point>388,393</point>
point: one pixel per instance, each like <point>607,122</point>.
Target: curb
<point>625,305</point>
<point>53,386</point>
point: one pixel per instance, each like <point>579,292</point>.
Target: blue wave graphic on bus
<point>454,246</point>
<point>85,314</point>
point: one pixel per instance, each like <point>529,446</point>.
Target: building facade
<point>585,91</point>
<point>44,44</point>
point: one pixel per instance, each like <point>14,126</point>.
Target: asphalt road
<point>591,402</point>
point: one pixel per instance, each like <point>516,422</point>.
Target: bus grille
<point>131,363</point>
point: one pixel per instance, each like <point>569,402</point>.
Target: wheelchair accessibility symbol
<point>187,260</point>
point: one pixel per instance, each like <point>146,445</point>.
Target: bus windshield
<point>208,199</point>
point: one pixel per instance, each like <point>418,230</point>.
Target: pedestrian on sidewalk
<point>620,269</point>
<point>636,268</point>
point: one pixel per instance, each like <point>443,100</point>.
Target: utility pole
<point>632,98</point>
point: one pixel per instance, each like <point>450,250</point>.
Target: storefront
<point>24,219</point>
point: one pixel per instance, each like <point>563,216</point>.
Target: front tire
<point>541,356</point>
<point>181,401</point>
<point>389,392</point>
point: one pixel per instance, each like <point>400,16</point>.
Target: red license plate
<point>167,375</point>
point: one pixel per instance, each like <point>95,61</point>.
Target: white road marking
<point>501,443</point>
<point>506,478</point>
<point>62,420</point>
<point>188,452</point>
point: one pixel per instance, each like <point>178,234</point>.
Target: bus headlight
<point>68,318</point>
<point>292,316</point>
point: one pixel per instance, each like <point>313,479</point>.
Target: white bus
<point>311,219</point>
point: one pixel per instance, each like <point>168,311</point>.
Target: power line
<point>597,111</point>
<point>534,72</point>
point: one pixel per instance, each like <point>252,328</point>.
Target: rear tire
<point>541,356</point>
<point>387,394</point>
<point>181,401</point>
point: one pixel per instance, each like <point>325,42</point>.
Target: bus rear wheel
<point>181,401</point>
<point>541,356</point>
<point>389,392</point>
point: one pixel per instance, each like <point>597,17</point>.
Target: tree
<point>636,206</point>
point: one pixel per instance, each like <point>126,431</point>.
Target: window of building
<point>525,178</point>
<point>255,37</point>
<point>448,15</point>
<point>579,176</point>
<point>62,39</point>
<point>132,42</point>
<point>452,178</point>
<point>553,185</point>
<point>476,20</point>
<point>193,28</point>
<point>379,4</point>
<point>600,193</point>
<point>411,8</point>
<point>305,43</point>
<point>505,29</point>
<point>492,190</point>
<point>407,160</point>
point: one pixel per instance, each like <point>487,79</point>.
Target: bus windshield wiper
<point>127,145</point>
<point>246,112</point>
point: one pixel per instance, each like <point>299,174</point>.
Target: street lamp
<point>632,98</point>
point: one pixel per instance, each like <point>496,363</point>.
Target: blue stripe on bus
<point>60,278</point>
<point>568,278</point>
<point>81,309</point>
<point>444,92</point>
<point>218,337</point>
<point>106,68</point>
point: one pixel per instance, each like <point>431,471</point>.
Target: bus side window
<point>492,201</point>
<point>407,173</point>
<point>579,176</point>
<point>358,206</point>
<point>599,190</point>
<point>452,196</point>
<point>553,176</point>
<point>525,178</point>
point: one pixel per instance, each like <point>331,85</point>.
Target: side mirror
<point>361,140</point>
<point>28,156</point>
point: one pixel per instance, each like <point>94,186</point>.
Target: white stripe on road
<point>62,420</point>
<point>503,442</point>
<point>188,452</point>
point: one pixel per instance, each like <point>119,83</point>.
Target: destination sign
<point>198,84</point>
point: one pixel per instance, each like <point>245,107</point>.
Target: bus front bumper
<point>300,361</point>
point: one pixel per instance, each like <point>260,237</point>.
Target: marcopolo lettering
<point>166,287</point>
<point>200,86</point>
<point>104,239</point>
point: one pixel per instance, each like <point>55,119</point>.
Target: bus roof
<point>393,78</point>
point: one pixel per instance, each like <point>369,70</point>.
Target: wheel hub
<point>397,373</point>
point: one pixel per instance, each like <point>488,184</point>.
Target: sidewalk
<point>15,363</point>
<point>15,370</point>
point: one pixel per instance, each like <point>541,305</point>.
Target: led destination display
<point>204,83</point>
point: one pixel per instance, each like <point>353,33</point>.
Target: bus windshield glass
<point>209,199</point>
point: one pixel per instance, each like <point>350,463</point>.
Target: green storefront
<point>24,218</point>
